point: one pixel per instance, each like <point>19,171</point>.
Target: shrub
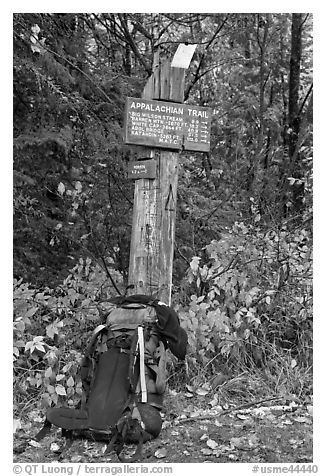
<point>250,293</point>
<point>51,328</point>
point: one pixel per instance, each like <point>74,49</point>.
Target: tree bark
<point>294,81</point>
<point>293,111</point>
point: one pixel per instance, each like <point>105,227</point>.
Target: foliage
<point>65,134</point>
<point>47,347</point>
<point>246,302</point>
<point>251,301</point>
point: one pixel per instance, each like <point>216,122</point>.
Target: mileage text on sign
<point>167,125</point>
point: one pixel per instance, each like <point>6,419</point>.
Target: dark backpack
<point>123,373</point>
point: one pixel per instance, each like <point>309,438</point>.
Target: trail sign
<point>167,125</point>
<point>160,122</point>
<point>142,169</point>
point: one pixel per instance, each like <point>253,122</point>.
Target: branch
<point>131,42</point>
<point>109,274</point>
<point>67,61</point>
<point>230,410</point>
<point>99,255</point>
<point>161,33</point>
<point>305,99</point>
<point>141,29</point>
<point>237,187</point>
<point>108,29</point>
<point>182,255</point>
<point>216,65</point>
<point>305,19</point>
<point>96,36</point>
<point>231,264</point>
<point>197,76</point>
<point>302,133</point>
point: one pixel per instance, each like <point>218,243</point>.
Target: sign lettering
<point>142,169</point>
<point>167,125</point>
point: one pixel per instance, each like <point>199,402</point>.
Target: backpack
<point>123,375</point>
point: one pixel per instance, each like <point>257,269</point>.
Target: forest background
<point>242,281</point>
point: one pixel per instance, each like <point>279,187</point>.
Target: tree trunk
<point>293,112</point>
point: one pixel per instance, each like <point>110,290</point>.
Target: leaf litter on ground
<point>245,442</point>
<point>211,416</point>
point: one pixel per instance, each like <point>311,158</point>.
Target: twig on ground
<point>230,410</point>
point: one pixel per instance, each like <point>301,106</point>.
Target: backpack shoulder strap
<point>86,363</point>
<point>142,378</point>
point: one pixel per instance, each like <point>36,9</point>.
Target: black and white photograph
<point>162,170</point>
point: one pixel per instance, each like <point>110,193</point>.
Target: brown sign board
<point>168,125</point>
<point>142,169</point>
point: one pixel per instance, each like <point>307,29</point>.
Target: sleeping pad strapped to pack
<point>123,373</point>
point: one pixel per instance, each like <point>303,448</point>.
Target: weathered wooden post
<point>159,121</point>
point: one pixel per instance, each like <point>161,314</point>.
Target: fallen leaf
<point>213,402</point>
<point>189,395</point>
<point>39,419</point>
<point>217,423</point>
<point>253,441</point>
<point>34,443</point>
<point>202,391</point>
<point>224,449</point>
<point>161,453</point>
<point>206,451</point>
<point>295,442</point>
<point>54,447</point>
<point>236,442</point>
<point>302,419</point>
<point>310,409</point>
<point>204,437</point>
<point>212,444</point>
<point>104,447</point>
<point>242,417</point>
<point>261,412</point>
<point>76,459</point>
<point>203,427</point>
<point>287,422</point>
<point>245,443</point>
<point>35,416</point>
<point>233,457</point>
<point>283,408</point>
<point>166,424</point>
<point>270,417</point>
<point>185,452</point>
<point>218,380</point>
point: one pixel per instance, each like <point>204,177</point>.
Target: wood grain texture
<point>155,201</point>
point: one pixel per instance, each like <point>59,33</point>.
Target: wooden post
<point>155,201</point>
